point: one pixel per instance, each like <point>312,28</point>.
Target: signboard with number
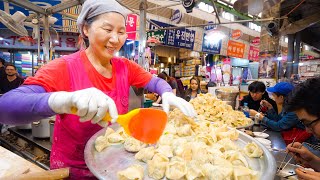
<point>131,26</point>
<point>211,46</point>
<point>235,49</point>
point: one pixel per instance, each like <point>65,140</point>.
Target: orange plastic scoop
<point>144,124</point>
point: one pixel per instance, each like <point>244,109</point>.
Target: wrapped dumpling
<point>157,166</point>
<point>228,144</point>
<point>101,143</point>
<point>194,170</point>
<point>115,138</point>
<point>253,150</point>
<point>184,130</point>
<point>232,134</point>
<point>216,171</point>
<point>122,133</point>
<point>170,129</point>
<point>184,151</point>
<point>134,172</point>
<point>165,150</point>
<point>243,173</point>
<point>176,169</point>
<point>108,132</point>
<point>133,145</point>
<point>236,158</point>
<point>145,154</point>
<point>166,139</point>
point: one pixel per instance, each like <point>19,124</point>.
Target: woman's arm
<point>288,121</point>
<point>25,104</point>
<point>158,85</point>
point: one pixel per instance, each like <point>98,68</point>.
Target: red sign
<point>131,26</point>
<point>236,34</point>
<point>235,49</point>
<point>255,41</point>
<point>253,53</point>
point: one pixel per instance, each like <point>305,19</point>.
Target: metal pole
<point>290,55</point>
<point>142,32</point>
<point>46,39</point>
<point>296,53</point>
<point>215,10</point>
<point>39,37</point>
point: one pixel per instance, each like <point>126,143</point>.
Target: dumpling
<point>176,169</point>
<point>166,139</point>
<point>134,172</point>
<point>217,172</point>
<point>184,130</point>
<point>133,145</point>
<point>232,134</point>
<point>194,170</point>
<point>184,151</point>
<point>115,138</point>
<point>228,144</point>
<point>157,166</point>
<point>108,132</point>
<point>165,150</point>
<point>253,150</point>
<point>145,154</point>
<point>122,133</point>
<point>170,129</point>
<point>101,143</point>
<point>236,158</point>
<point>243,173</point>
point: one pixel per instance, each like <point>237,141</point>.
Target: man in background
<point>11,80</point>
<point>2,71</point>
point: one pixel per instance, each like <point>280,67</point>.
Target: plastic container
<point>147,103</point>
<point>246,109</point>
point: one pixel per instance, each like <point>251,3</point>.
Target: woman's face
<point>106,34</point>
<point>194,85</point>
<point>277,99</point>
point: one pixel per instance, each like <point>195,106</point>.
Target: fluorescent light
<point>132,54</point>
<point>208,64</point>
<point>56,41</point>
<point>279,58</point>
<point>1,38</point>
<point>300,64</point>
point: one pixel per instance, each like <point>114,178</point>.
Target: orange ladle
<point>144,124</point>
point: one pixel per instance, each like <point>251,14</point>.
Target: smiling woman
<point>91,80</point>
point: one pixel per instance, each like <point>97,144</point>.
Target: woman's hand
<point>91,104</point>
<point>168,99</point>
<point>306,174</point>
<point>266,104</point>
<point>303,156</point>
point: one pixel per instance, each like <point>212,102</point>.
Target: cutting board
<point>12,165</point>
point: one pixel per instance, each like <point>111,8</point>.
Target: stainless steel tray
<point>246,126</point>
<point>106,164</point>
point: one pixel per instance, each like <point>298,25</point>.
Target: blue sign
<point>41,3</point>
<point>210,27</point>
<point>181,37</point>
<point>176,16</point>
<point>209,46</point>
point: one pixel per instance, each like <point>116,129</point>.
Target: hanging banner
<point>209,46</point>
<point>131,26</point>
<point>235,49</point>
<point>236,34</point>
<point>253,53</point>
<point>181,38</point>
<point>267,66</point>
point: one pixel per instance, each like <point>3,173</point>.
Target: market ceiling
<point>303,16</point>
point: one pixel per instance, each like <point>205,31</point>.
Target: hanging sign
<point>176,16</point>
<point>255,41</point>
<point>235,49</point>
<point>131,26</point>
<point>253,53</point>
<point>210,46</point>
<point>209,26</point>
<point>236,34</point>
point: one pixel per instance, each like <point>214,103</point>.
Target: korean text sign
<point>235,49</point>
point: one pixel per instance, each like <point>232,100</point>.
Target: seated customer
<point>193,90</point>
<point>305,101</point>
<point>11,80</point>
<point>282,120</point>
<point>257,92</point>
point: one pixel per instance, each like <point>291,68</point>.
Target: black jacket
<point>256,104</point>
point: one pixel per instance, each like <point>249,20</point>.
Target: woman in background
<point>194,89</point>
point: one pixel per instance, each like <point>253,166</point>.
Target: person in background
<point>92,80</point>
<point>283,120</point>
<point>305,102</point>
<point>2,66</point>
<point>11,80</point>
<point>193,90</point>
<point>257,93</point>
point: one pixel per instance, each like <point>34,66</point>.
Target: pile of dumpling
<point>188,150</point>
<point>210,108</point>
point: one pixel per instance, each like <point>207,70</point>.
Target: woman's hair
<point>162,76</point>
<point>198,82</point>
<point>84,41</point>
<point>189,90</point>
<point>257,86</point>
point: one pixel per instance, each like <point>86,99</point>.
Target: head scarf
<point>92,8</point>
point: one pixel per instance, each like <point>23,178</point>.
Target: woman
<point>194,89</point>
<point>282,120</point>
<point>91,80</point>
